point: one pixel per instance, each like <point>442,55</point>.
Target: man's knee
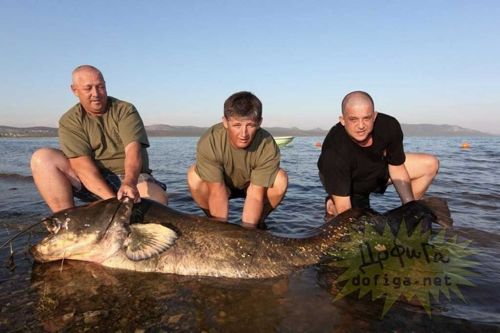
<point>433,164</point>
<point>152,191</point>
<point>199,189</point>
<point>281,182</point>
<point>422,165</point>
<point>430,164</point>
<point>276,193</point>
<point>45,156</point>
<point>194,181</point>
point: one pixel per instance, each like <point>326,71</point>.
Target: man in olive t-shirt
<point>237,158</point>
<point>103,143</point>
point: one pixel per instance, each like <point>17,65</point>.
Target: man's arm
<point>218,202</point>
<point>341,204</point>
<point>254,203</point>
<point>89,175</point>
<point>133,166</point>
<point>402,182</point>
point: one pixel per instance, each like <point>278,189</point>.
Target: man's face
<point>358,121</point>
<point>90,88</point>
<point>241,130</point>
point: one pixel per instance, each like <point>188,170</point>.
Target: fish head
<point>91,233</point>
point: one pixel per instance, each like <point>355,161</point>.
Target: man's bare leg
<point>54,177</point>
<point>422,169</point>
<point>152,191</point>
<point>276,193</point>
<point>198,188</point>
<point>274,196</point>
<point>212,198</point>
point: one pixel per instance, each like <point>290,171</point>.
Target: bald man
<point>363,154</point>
<point>103,150</point>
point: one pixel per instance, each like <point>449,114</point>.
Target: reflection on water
<point>82,295</point>
<point>78,296</point>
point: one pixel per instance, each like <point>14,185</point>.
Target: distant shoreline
<point>410,130</point>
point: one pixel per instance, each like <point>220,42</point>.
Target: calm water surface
<point>80,296</point>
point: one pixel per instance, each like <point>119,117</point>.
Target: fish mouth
<point>34,252</point>
<point>38,255</point>
<point>53,248</point>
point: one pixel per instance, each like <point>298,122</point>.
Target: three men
<point>103,142</point>
<point>237,158</point>
<point>363,153</point>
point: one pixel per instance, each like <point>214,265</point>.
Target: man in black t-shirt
<point>364,153</point>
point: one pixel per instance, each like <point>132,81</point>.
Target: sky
<point>435,62</point>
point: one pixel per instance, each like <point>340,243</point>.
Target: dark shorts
<point>359,200</point>
<point>114,181</point>
<point>237,192</point>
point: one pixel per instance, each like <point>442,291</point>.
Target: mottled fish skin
<point>203,246</point>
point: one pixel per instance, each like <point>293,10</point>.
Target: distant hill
<point>168,130</point>
<point>439,130</point>
<point>38,131</point>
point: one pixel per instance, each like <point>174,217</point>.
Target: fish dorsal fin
<point>147,240</point>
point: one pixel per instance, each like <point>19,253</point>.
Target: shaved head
<point>357,98</point>
<point>358,117</point>
<point>85,68</point>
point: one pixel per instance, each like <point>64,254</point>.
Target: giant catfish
<point>150,237</point>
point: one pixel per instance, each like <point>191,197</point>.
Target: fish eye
<point>53,225</point>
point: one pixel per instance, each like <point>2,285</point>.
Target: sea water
<point>78,296</point>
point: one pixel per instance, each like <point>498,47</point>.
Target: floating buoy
<point>465,145</point>
<point>318,144</point>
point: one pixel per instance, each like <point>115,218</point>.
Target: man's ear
<point>224,122</point>
<point>342,121</point>
<point>375,115</point>
<point>260,122</point>
<point>74,90</point>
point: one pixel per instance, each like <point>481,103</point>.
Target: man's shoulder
<point>73,114</point>
<point>336,130</point>
<point>336,137</point>
<point>387,127</point>
<point>385,119</point>
<point>337,150</point>
<point>213,131</point>
<point>265,140</point>
<point>115,101</point>
<point>212,137</point>
<point>264,133</point>
<point>118,104</point>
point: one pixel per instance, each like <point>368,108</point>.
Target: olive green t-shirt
<point>218,161</point>
<point>104,137</point>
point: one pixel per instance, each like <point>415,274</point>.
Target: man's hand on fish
<point>127,190</point>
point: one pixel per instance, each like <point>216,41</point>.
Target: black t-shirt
<point>347,168</point>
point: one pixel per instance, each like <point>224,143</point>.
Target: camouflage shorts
<point>114,181</point>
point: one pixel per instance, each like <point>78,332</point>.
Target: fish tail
<point>440,208</point>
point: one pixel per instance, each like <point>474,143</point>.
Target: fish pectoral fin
<point>147,240</point>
